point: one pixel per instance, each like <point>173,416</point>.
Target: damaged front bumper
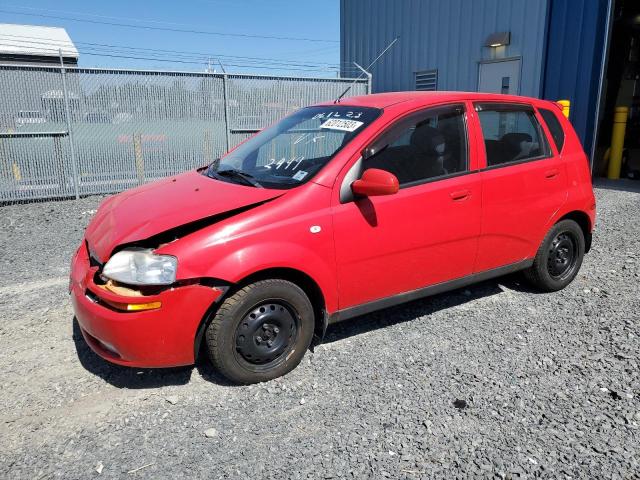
<point>139,331</point>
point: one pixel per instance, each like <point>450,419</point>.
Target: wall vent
<point>427,80</point>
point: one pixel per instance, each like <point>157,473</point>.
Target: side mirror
<point>375,182</point>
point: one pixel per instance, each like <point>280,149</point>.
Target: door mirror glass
<point>375,182</point>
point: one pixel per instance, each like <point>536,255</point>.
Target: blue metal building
<point>554,49</point>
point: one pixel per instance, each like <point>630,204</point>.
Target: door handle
<point>552,173</point>
<point>460,195</point>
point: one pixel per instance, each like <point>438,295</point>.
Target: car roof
<point>382,100</point>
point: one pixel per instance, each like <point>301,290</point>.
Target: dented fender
<point>234,265</point>
<point>274,235</point>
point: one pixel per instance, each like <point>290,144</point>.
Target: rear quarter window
<point>555,128</point>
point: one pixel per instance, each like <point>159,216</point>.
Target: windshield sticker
<point>287,163</point>
<point>327,115</point>
<point>300,174</point>
<point>310,139</point>
<point>342,124</point>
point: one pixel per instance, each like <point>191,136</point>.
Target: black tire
<point>559,257</point>
<point>261,332</point>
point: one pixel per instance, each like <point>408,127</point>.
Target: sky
<point>308,45</point>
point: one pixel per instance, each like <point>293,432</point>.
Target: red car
<point>335,211</point>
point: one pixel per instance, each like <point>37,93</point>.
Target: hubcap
<point>562,255</point>
<point>266,332</point>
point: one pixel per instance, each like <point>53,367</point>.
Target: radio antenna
<point>337,100</point>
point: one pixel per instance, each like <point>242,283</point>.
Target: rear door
<point>524,184</point>
<point>426,233</point>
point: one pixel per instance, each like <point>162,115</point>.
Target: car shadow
<point>517,282</point>
<point>425,306</point>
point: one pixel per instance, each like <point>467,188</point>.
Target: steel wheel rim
<point>266,334</point>
<point>562,255</point>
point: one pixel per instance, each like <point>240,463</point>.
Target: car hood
<point>157,207</point>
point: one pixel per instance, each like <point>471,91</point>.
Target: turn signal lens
<point>133,307</point>
<point>136,307</point>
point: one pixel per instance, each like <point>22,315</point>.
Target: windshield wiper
<point>233,173</point>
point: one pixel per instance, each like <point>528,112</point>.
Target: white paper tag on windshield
<point>300,174</point>
<point>342,124</point>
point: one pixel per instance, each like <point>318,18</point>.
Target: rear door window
<point>511,133</point>
<point>554,126</point>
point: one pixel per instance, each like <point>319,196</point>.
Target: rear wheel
<point>559,257</point>
<point>261,332</point>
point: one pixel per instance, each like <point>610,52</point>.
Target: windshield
<point>293,150</point>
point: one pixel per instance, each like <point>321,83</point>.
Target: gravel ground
<point>490,381</point>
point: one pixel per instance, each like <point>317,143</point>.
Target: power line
<point>312,52</point>
<point>199,61</point>
<point>114,53</point>
<point>146,52</point>
<point>167,29</point>
<point>63,44</point>
<point>20,7</point>
<point>150,52</point>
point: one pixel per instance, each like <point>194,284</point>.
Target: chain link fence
<point>76,131</point>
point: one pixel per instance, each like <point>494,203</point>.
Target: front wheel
<point>559,257</point>
<point>261,332</point>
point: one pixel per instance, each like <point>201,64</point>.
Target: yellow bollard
<point>617,142</point>
<point>566,106</point>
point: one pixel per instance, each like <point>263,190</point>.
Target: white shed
<point>35,45</point>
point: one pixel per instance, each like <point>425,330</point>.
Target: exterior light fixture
<point>498,39</point>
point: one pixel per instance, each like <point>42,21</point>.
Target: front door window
<point>423,146</point>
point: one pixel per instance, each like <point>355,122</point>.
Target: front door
<point>426,233</point>
<point>500,77</point>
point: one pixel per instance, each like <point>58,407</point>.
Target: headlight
<point>141,267</point>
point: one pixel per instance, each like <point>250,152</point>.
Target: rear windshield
<point>293,150</point>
